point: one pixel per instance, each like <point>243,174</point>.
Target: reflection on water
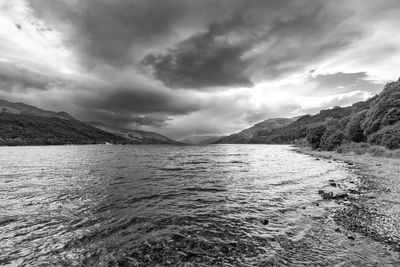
<point>148,205</point>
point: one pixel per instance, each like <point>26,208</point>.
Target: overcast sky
<point>196,67</point>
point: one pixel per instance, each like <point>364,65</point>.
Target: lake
<point>160,205</point>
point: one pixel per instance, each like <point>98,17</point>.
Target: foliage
<point>23,129</point>
<point>353,128</point>
<point>388,136</point>
<point>365,148</point>
<point>314,135</point>
<point>384,110</point>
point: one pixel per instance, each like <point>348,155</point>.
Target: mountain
<point>137,136</point>
<point>23,109</point>
<point>22,124</point>
<point>375,121</point>
<point>247,135</point>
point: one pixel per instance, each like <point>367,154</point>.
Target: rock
<point>326,195</point>
<point>340,195</point>
<point>333,184</point>
<point>370,195</point>
<point>331,195</point>
<point>351,237</point>
<point>264,221</point>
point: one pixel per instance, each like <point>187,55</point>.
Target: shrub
<point>314,135</point>
<point>333,140</point>
<point>388,136</point>
<point>333,135</point>
<point>353,128</point>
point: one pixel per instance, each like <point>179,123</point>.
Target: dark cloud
<point>201,61</point>
<point>13,77</point>
<point>261,39</point>
<point>132,102</point>
<point>212,46</point>
<point>139,100</point>
<point>306,37</point>
<point>105,31</point>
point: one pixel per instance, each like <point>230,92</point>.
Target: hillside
<point>20,108</point>
<point>248,135</point>
<point>298,129</point>
<point>23,129</point>
<point>137,136</point>
<point>375,121</point>
<point>22,124</point>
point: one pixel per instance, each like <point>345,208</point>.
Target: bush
<point>333,135</point>
<point>332,141</point>
<point>314,135</point>
<point>353,128</point>
<point>388,136</point>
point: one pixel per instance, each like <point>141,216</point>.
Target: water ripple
<point>231,205</point>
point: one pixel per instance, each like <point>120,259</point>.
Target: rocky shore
<point>371,205</point>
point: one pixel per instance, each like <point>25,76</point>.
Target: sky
<point>191,68</point>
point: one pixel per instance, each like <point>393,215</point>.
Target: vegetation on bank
<point>365,148</point>
<point>376,124</point>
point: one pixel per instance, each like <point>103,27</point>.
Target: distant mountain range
<point>376,121</point>
<point>22,124</point>
<point>201,139</point>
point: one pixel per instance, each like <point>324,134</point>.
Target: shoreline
<point>372,209</point>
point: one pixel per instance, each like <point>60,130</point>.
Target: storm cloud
<point>195,67</point>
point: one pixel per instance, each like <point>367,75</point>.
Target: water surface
<point>166,205</point>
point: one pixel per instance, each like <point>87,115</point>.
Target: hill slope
<point>20,108</point>
<point>22,124</point>
<point>137,136</point>
<point>247,135</point>
<point>23,129</point>
<point>376,121</point>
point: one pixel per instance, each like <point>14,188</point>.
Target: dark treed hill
<point>246,135</point>
<point>373,122</point>
<point>22,124</point>
<point>298,129</point>
<point>22,129</point>
<point>376,123</point>
<point>137,136</point>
